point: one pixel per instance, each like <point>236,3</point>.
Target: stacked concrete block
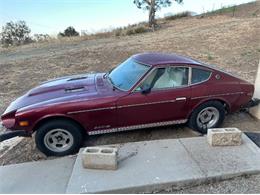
<point>100,158</point>
<point>224,137</point>
<point>255,111</point>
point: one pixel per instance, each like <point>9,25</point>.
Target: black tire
<point>66,128</point>
<point>193,118</point>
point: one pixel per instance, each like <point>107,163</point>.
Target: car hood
<point>64,89</point>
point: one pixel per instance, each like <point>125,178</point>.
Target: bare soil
<point>232,43</point>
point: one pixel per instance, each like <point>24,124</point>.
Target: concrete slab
<point>224,162</point>
<point>50,176</point>
<point>154,165</point>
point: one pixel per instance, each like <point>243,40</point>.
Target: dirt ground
<point>232,43</point>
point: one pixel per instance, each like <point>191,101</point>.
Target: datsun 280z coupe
<point>146,90</point>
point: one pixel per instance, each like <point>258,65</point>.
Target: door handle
<point>181,98</point>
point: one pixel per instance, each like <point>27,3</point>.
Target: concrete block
<point>100,158</point>
<point>224,137</point>
<point>255,111</point>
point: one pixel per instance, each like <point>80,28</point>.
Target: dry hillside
<point>232,43</point>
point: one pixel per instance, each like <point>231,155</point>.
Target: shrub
<point>179,15</point>
<point>140,29</point>
<point>223,10</point>
<point>209,56</point>
<point>118,32</point>
<point>41,37</point>
<point>130,31</point>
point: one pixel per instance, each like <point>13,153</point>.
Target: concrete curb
<point>136,176</point>
<point>144,167</point>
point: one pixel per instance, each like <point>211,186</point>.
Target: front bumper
<point>8,134</point>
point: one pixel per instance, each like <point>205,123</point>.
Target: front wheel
<point>58,138</point>
<point>208,115</point>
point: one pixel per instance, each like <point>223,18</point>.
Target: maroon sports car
<point>146,90</point>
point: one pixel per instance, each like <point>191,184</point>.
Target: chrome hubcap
<point>208,117</point>
<point>58,140</point>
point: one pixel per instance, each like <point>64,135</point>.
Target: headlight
<point>8,119</point>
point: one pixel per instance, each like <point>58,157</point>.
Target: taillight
<point>250,94</point>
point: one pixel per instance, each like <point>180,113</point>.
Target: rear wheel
<point>58,138</point>
<point>208,115</point>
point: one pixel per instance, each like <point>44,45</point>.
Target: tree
<point>15,33</point>
<point>153,6</point>
<point>69,32</point>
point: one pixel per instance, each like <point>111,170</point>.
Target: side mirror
<point>146,89</point>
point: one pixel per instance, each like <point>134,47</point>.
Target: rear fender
<point>222,100</point>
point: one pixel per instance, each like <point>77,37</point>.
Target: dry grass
<point>230,42</point>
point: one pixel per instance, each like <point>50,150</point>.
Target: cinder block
<point>224,137</point>
<point>100,158</point>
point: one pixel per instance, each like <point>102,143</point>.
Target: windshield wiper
<point>109,78</point>
<point>112,83</point>
<point>105,75</point>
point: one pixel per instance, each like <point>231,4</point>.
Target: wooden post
<point>255,111</point>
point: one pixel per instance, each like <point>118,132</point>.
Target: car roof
<point>154,59</point>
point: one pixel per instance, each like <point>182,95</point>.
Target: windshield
<point>127,74</point>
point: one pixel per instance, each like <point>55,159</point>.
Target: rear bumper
<point>253,102</point>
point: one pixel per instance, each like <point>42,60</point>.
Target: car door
<point>165,102</point>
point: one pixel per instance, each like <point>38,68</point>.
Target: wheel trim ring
<point>214,117</point>
<point>51,136</point>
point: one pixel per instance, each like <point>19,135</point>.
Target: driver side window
<point>163,78</point>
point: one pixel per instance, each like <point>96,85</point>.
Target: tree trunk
<point>152,14</point>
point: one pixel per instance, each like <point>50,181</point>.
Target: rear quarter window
<point>199,75</point>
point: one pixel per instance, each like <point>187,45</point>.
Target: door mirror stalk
<point>146,89</point>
